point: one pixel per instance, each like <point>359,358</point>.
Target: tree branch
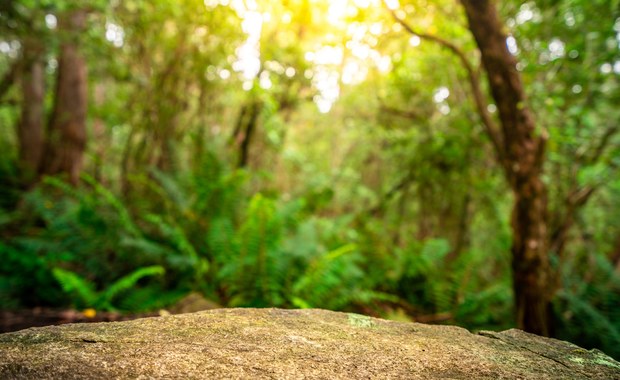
<point>9,78</point>
<point>579,196</point>
<point>401,185</point>
<point>491,128</point>
<point>411,115</point>
<point>603,143</point>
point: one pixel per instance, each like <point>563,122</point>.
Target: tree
<point>66,133</point>
<point>519,152</point>
<point>172,99</point>
<point>28,71</point>
<point>30,129</point>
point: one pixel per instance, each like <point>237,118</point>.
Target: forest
<point>437,161</point>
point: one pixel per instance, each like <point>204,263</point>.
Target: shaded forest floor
<point>15,320</point>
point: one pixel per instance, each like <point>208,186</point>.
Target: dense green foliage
<point>387,202</point>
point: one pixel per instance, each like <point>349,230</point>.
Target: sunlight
<point>334,65</point>
<point>5,48</point>
<point>528,12</point>
<point>264,81</point>
<point>326,82</point>
<point>249,53</point>
<point>556,48</point>
<point>51,21</point>
<point>415,41</point>
<point>114,34</point>
<point>441,94</point>
<point>224,74</point>
<point>326,55</point>
<point>392,4</point>
<point>337,11</point>
<point>511,42</point>
<point>248,62</point>
<point>354,73</point>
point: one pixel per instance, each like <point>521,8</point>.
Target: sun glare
<point>333,63</point>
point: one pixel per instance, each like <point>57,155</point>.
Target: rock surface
<point>289,344</point>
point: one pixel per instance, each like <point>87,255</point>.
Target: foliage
<point>85,294</point>
<point>589,311</point>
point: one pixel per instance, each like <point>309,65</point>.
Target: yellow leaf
<point>89,313</point>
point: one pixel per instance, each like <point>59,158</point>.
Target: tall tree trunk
<point>66,137</point>
<point>244,131</point>
<point>522,154</point>
<point>99,133</point>
<point>30,128</point>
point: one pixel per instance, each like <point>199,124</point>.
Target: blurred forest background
<point>426,160</point>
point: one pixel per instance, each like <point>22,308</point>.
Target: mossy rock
<point>289,344</point>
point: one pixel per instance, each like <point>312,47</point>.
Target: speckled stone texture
<point>289,344</point>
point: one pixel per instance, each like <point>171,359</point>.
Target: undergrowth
<point>88,247</point>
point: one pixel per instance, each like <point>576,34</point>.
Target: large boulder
<point>281,344</point>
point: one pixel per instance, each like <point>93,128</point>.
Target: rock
<point>289,344</point>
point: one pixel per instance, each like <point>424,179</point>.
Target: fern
<point>188,253</point>
<point>124,215</point>
<point>424,275</point>
<point>221,240</point>
<point>154,297</point>
<point>589,313</point>
<point>72,283</point>
<point>127,282</point>
<point>331,281</point>
<point>254,276</point>
<point>172,189</point>
<point>87,296</point>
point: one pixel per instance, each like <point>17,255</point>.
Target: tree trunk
<point>66,137</point>
<point>99,133</point>
<point>30,128</point>
<point>522,155</point>
<point>244,131</point>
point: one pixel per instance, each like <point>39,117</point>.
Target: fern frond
<point>129,281</point>
<point>174,191</point>
<point>125,218</point>
<point>72,283</point>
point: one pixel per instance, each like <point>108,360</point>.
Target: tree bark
<point>66,137</point>
<point>522,155</point>
<point>30,127</point>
